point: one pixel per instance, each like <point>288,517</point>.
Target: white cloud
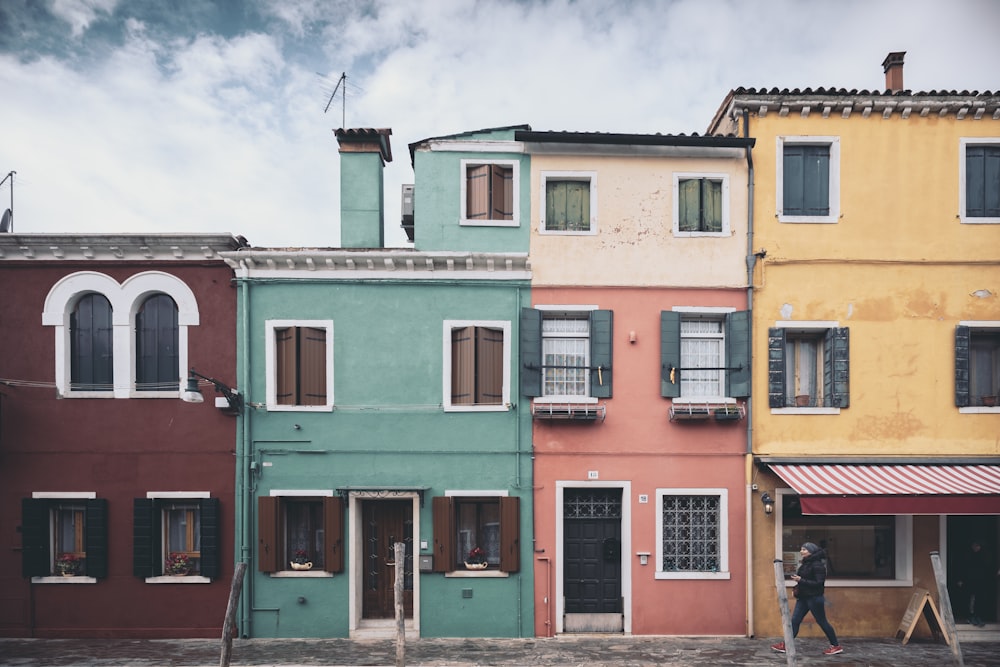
<point>81,13</point>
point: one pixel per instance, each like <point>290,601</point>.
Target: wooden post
<point>227,625</point>
<point>399,553</point>
<point>786,619</point>
<point>944,602</point>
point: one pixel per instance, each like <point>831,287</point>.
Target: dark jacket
<point>813,573</point>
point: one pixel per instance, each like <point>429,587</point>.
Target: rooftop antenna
<point>7,221</point>
<point>343,97</point>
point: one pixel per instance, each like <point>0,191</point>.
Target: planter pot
<point>68,574</point>
<point>802,400</point>
<point>301,566</point>
<point>988,401</point>
<point>178,573</point>
<point>476,566</point>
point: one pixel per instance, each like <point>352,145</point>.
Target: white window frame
<point>67,496</point>
<point>587,176</point>
<point>573,311</point>
<point>834,176</point>
<point>126,298</point>
<point>476,574</point>
<point>717,313</point>
<point>709,176</point>
<point>448,327</point>
<point>300,493</point>
<point>807,327</point>
<point>904,551</point>
<point>723,495</point>
<point>963,144</point>
<point>271,365</point>
<point>515,220</point>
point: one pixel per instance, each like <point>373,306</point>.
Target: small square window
<point>808,367</point>
<point>476,532</point>
<point>490,193</point>
<point>977,365</point>
<point>569,203</point>
<point>476,365</point>
<point>692,534</point>
<point>979,191</point>
<point>808,179</point>
<point>701,204</point>
<point>64,535</point>
<point>175,534</point>
<point>300,532</point>
<point>477,536</point>
<point>299,365</point>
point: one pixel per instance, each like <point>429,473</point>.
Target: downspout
<point>751,264</point>
<point>244,486</point>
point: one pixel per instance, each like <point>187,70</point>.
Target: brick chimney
<point>363,154</point>
<point>893,67</point>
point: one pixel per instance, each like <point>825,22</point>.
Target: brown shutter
<point>333,534</point>
<point>285,353</point>
<point>502,190</point>
<point>477,183</point>
<point>312,366</point>
<point>463,366</point>
<point>489,366</point>
<point>444,530</point>
<point>267,531</point>
<point>510,534</point>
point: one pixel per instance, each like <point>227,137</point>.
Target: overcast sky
<point>211,115</point>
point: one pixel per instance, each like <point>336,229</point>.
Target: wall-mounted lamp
<point>768,502</point>
<point>193,395</point>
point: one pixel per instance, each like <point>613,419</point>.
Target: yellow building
<point>876,343</point>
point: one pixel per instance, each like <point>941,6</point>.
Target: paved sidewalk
<point>581,651</point>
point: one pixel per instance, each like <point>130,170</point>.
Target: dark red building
<point>115,496</point>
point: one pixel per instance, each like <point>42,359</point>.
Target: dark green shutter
<point>210,537</point>
<point>836,371</point>
<point>670,353</point>
<point>601,345</point>
<point>963,339</point>
<point>738,354</point>
<point>144,538</point>
<point>531,352</point>
<point>96,537</point>
<point>982,181</point>
<point>776,367</point>
<point>35,560</point>
<point>806,180</point>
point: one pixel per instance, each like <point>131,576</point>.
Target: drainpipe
<point>751,263</point>
<point>244,482</point>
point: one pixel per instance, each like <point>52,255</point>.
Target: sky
<point>217,116</point>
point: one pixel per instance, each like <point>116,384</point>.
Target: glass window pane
<point>304,533</point>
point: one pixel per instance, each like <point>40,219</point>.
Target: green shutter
<point>738,354</point>
<point>776,367</point>
<point>531,352</point>
<point>210,538</point>
<point>35,560</point>
<point>963,339</point>
<point>688,205</point>
<point>836,375</point>
<point>567,206</point>
<point>792,181</point>
<point>144,538</point>
<point>601,347</point>
<point>96,537</point>
<point>670,354</point>
<point>816,180</point>
<point>712,205</point>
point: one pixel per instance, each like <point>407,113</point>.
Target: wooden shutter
<point>776,367</point>
<point>489,366</point>
<point>443,515</point>
<point>463,365</point>
<point>477,185</point>
<point>688,205</point>
<point>816,180</point>
<point>285,353</point>
<point>738,354</point>
<point>312,366</point>
<point>510,534</point>
<point>211,538</point>
<point>567,205</point>
<point>91,346</point>
<point>991,181</point>
<point>502,192</point>
<point>711,205</point>
<point>333,534</point>
<point>35,557</point>
<point>267,534</point>
<point>145,538</point>
<point>601,346</point>
<point>982,181</point>
<point>963,346</point>
<point>531,352</point>
<point>96,537</point>
<point>792,188</point>
<point>836,370</point>
<point>670,353</point>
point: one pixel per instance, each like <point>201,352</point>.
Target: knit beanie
<point>810,547</point>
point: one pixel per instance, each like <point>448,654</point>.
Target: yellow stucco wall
<point>634,244</point>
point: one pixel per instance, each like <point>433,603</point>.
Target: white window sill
<point>862,583</point>
<point>476,574</point>
<point>64,580</point>
<point>503,407</point>
<point>693,575</point>
<point>980,410</point>
<point>179,579</point>
<point>805,411</point>
<point>703,400</point>
<point>567,232</point>
<point>171,394</point>
<point>89,394</point>
<point>808,219</point>
<point>688,235</point>
<point>465,222</point>
<point>274,407</point>
<point>564,399</point>
<point>980,221</point>
<point>301,574</point>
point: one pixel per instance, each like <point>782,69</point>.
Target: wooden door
<point>385,523</point>
<point>592,560</point>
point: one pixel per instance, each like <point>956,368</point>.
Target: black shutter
<point>738,354</point>
<point>35,560</point>
<point>836,375</point>
<point>963,340</point>
<point>210,538</point>
<point>144,538</point>
<point>776,367</point>
<point>96,537</point>
<point>531,352</point>
<point>601,347</point>
<point>670,354</point>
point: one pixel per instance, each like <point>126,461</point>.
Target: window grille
<point>691,533</point>
<point>592,504</point>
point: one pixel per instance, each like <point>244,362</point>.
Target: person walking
<point>977,575</point>
<point>811,584</point>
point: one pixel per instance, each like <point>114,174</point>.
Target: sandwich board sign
<point>922,604</point>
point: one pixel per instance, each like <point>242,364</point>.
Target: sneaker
<point>833,650</point>
<point>779,647</point>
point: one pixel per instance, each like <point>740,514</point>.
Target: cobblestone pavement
<point>581,651</point>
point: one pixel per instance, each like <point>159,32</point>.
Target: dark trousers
<point>816,605</point>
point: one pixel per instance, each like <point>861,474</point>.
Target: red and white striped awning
<point>894,489</point>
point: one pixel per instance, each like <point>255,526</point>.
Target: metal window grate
<point>691,533</point>
<point>592,504</point>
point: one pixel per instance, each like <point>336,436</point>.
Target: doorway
<point>592,560</point>
<point>962,531</point>
<point>384,523</point>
